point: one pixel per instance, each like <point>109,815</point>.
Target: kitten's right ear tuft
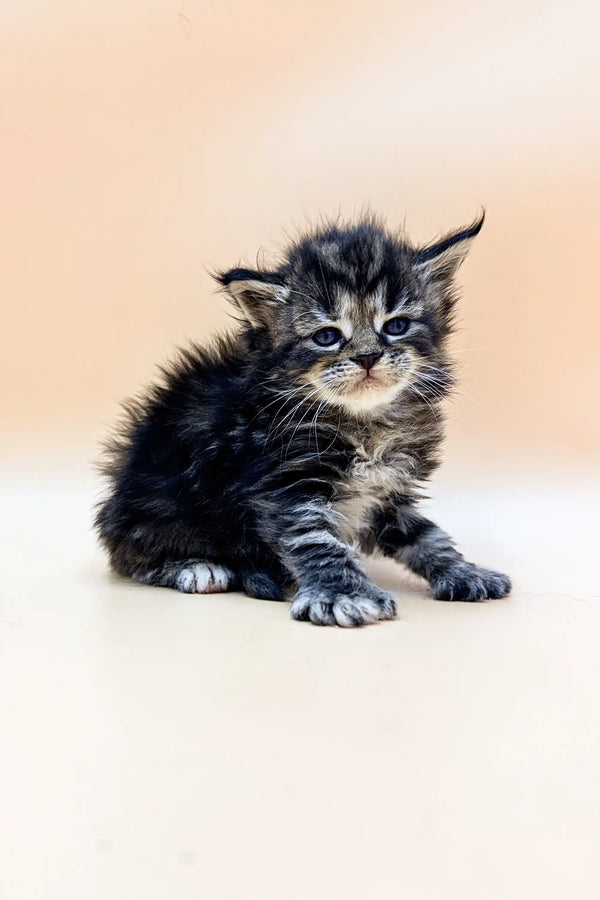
<point>256,294</point>
<point>442,259</point>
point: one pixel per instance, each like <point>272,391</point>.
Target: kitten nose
<point>367,360</point>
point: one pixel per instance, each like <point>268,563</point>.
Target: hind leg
<point>192,576</point>
<point>264,584</point>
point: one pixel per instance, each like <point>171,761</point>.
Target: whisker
<point>302,419</point>
<point>278,426</point>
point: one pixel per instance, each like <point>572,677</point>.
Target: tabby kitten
<point>267,462</point>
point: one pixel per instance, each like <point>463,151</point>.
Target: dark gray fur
<point>268,462</point>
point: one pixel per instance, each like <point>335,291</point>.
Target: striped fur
<point>268,462</point>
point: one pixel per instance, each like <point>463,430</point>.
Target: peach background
<point>144,141</point>
<point>148,751</point>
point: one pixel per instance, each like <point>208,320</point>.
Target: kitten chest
<point>370,480</point>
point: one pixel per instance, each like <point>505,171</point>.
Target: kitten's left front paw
<point>361,606</point>
<point>467,581</point>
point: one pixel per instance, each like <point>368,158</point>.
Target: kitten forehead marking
<point>353,308</point>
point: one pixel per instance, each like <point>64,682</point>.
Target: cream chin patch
<point>372,398</point>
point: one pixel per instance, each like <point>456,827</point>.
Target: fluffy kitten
<point>265,463</point>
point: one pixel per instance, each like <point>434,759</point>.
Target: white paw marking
<point>203,578</point>
<point>347,611</point>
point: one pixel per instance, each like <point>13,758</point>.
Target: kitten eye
<point>397,325</point>
<point>326,337</point>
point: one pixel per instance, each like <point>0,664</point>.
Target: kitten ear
<point>441,260</point>
<point>256,294</point>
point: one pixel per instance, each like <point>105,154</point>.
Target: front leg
<point>333,588</point>
<point>402,533</point>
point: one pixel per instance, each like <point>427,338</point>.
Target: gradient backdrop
<point>160,746</point>
<point>146,141</point>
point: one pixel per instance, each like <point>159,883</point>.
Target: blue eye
<point>396,326</point>
<point>326,337</point>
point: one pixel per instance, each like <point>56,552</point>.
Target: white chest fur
<point>372,478</point>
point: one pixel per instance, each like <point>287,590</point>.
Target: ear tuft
<point>256,294</point>
<point>442,259</point>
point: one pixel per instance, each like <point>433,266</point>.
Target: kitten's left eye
<point>396,326</point>
<point>326,337</point>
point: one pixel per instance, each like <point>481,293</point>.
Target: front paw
<point>466,581</point>
<point>351,609</point>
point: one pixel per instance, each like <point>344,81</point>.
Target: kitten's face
<point>359,352</point>
<point>355,314</point>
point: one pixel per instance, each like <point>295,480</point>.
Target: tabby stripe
<point>314,537</point>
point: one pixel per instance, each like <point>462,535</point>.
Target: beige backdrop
<point>160,745</point>
<point>145,141</point>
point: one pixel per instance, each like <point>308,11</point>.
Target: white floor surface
<point>169,746</point>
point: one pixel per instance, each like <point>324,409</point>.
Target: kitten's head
<point>356,313</point>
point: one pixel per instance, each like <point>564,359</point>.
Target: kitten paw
<point>471,583</point>
<point>203,578</point>
<point>349,610</point>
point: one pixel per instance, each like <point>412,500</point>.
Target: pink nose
<point>367,360</point>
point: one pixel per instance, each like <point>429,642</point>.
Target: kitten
<point>265,463</point>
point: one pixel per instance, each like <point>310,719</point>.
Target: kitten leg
<point>333,588</point>
<point>192,576</point>
<point>400,532</point>
<point>262,584</point>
